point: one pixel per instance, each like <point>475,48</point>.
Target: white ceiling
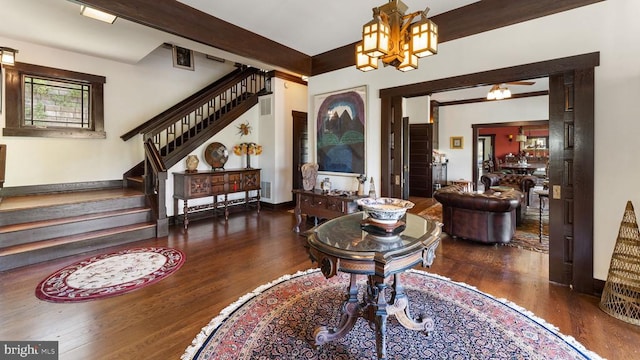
<point>311,27</point>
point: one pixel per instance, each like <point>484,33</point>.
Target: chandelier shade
<point>424,37</point>
<point>375,36</point>
<point>392,38</point>
<point>521,138</point>
<point>410,61</point>
<point>365,62</point>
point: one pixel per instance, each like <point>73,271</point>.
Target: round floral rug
<point>277,321</point>
<point>110,274</point>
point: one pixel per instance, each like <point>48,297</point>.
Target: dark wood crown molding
<point>181,20</point>
<point>465,21</point>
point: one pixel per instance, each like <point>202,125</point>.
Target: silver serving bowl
<point>385,210</point>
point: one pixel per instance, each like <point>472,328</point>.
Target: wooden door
<point>301,149</point>
<point>571,138</point>
<point>405,158</point>
<point>391,147</point>
<point>420,150</point>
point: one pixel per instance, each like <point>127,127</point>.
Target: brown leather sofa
<point>523,183</point>
<point>488,217</point>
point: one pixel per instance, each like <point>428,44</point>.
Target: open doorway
<point>571,140</point>
<point>513,142</point>
<point>485,157</point>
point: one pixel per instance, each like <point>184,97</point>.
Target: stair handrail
<point>155,160</point>
<point>201,101</point>
<point>186,106</point>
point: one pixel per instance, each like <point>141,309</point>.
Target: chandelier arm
<point>408,19</point>
<point>384,17</point>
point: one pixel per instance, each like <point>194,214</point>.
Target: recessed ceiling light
<point>97,14</point>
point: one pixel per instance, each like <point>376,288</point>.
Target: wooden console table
<point>214,183</point>
<point>321,205</point>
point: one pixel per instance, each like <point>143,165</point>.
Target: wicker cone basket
<point>621,294</point>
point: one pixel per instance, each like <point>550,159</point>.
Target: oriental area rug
<point>110,274</point>
<point>527,234</point>
<point>277,321</point>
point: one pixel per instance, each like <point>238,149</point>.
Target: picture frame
<point>182,58</point>
<point>456,142</point>
<point>340,130</point>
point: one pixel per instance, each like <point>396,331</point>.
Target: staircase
<point>171,135</point>
<point>38,228</point>
<point>41,227</point>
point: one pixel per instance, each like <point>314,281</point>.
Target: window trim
<point>14,107</point>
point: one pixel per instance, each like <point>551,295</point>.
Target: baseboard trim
<point>278,207</point>
<point>59,188</point>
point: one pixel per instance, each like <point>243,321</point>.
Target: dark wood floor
<point>227,260</point>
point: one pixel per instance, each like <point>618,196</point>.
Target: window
<point>48,102</point>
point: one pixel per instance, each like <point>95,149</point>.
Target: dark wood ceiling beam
<point>513,73</point>
<point>484,99</point>
<point>176,18</point>
<point>472,19</point>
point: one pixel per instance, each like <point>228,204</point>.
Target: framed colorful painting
<point>340,130</point>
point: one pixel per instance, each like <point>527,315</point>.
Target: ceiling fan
<point>501,91</point>
<point>520,82</point>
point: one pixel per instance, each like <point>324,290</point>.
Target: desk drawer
<point>309,201</point>
<point>217,184</point>
<point>252,180</point>
<point>335,204</point>
<point>199,186</point>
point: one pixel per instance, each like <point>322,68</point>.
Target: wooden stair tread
<point>138,179</point>
<point>23,248</point>
<point>11,203</point>
<point>68,220</point>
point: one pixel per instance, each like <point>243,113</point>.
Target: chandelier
<point>392,38</point>
<point>499,92</point>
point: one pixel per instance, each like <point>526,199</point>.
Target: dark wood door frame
<point>300,148</point>
<point>581,277</point>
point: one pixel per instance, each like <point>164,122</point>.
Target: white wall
<point>610,27</point>
<point>288,96</point>
<point>132,95</point>
<point>417,109</point>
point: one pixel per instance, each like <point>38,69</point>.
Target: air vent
<point>265,189</point>
<point>265,106</point>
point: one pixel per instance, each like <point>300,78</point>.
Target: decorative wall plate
<point>216,155</point>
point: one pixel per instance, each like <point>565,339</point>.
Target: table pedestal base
<point>375,308</point>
